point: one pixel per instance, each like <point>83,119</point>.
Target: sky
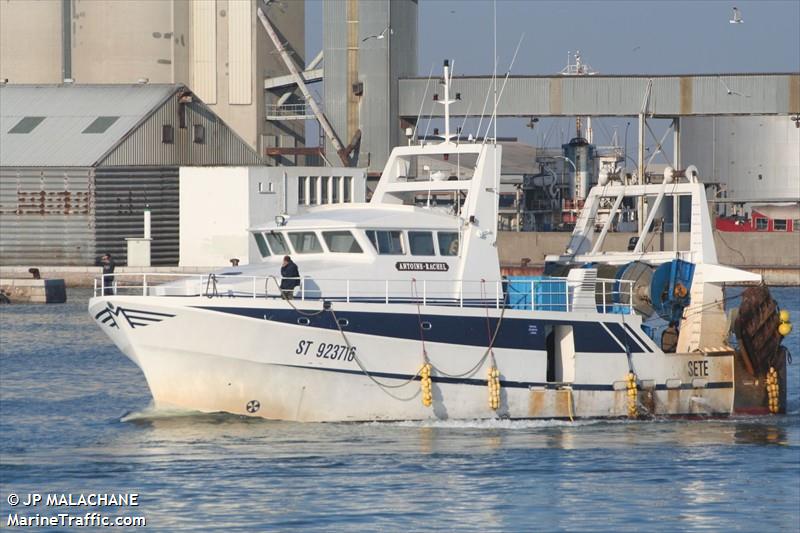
<point>614,37</point>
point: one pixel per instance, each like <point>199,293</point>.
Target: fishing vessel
<point>401,312</point>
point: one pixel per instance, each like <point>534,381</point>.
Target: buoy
<point>493,383</point>
<point>784,315</point>
<point>785,328</point>
<point>773,391</point>
<point>633,410</point>
<point>425,384</point>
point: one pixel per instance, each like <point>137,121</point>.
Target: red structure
<point>766,218</point>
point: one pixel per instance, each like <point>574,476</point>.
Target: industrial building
<point>217,48</point>
<point>78,165</point>
<point>754,158</point>
<point>367,47</point>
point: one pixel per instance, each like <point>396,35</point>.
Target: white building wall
<point>213,212</point>
<point>219,204</point>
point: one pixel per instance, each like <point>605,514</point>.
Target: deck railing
<point>552,294</point>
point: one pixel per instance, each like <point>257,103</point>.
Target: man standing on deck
<point>108,265</point>
<point>290,278</point>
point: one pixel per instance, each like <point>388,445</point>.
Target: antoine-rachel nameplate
<point>421,266</point>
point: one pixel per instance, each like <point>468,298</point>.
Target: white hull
<point>251,357</point>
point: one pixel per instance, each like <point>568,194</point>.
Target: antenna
<point>494,143</point>
<point>494,73</point>
<point>464,123</point>
<point>422,103</point>
<point>483,111</point>
<point>503,88</point>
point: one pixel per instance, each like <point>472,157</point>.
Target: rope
<point>731,248</point>
<point>425,369</point>
<point>425,383</point>
<point>486,354</point>
<point>696,310</point>
<point>415,294</point>
<point>212,281</point>
<point>291,304</point>
<point>628,348</point>
<point>493,377</point>
<point>383,386</point>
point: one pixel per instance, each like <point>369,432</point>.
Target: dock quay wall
<point>776,256</point>
<point>36,291</point>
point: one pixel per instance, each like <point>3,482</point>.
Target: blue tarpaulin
<point>545,293</point>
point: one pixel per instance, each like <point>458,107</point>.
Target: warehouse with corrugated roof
<point>79,163</point>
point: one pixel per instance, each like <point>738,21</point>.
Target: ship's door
<point>560,344</point>
<point>550,345</point>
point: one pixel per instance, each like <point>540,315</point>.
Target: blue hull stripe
<point>624,337</point>
<point>641,341</point>
<point>506,383</point>
<point>515,333</point>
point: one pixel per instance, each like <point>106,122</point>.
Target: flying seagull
<point>737,17</point>
<point>380,36</point>
<point>731,91</point>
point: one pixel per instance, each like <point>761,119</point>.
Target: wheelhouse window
<point>762,224</point>
<point>341,242</point>
<point>779,224</point>
<point>448,243</point>
<point>277,243</point>
<point>421,242</point>
<point>386,242</point>
<point>335,189</point>
<point>261,242</point>
<point>305,242</point>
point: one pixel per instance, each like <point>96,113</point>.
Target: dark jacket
<point>289,271</point>
<point>108,268</point>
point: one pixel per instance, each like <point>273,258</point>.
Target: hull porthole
<point>253,406</point>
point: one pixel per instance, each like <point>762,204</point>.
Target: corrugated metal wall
<point>379,64</point>
<point>334,44</point>
<point>121,195</point>
<point>145,147</point>
<point>46,216</point>
<point>404,20</point>
<point>759,94</point>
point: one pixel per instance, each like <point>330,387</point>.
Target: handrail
<point>550,294</point>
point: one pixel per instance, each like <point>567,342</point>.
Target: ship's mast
<point>447,100</point>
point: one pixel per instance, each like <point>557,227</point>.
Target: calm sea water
<point>65,390</point>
